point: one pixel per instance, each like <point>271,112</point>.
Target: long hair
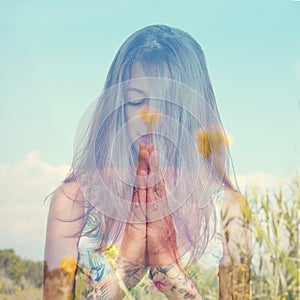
<point>190,140</point>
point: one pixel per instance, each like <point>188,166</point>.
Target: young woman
<point>149,181</point>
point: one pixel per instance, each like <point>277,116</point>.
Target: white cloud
<point>264,181</point>
<point>24,186</point>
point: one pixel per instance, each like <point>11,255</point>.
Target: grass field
<point>32,294</point>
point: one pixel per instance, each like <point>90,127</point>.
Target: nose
<point>150,116</point>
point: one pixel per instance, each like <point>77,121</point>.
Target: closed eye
<point>137,102</point>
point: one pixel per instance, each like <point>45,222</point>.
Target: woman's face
<point>138,94</point>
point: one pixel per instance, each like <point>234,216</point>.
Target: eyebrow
<point>130,89</point>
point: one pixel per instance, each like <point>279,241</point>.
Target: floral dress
<point>95,269</point>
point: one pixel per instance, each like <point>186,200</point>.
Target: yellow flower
<point>68,264</point>
<point>18,291</point>
<point>150,115</point>
<point>236,293</point>
<point>210,140</point>
<point>112,252</point>
<point>247,296</point>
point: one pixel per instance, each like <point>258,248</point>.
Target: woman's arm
<point>65,221</point>
<point>234,269</point>
<point>174,283</point>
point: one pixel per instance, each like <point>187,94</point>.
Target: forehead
<point>138,82</point>
<point>141,83</point>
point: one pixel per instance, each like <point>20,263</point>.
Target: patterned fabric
<point>96,270</point>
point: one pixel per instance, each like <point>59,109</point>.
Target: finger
<point>156,184</point>
<point>139,198</point>
<point>154,170</point>
<point>151,148</point>
<point>154,167</point>
<point>142,167</point>
<point>139,191</point>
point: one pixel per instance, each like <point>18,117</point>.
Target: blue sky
<point>54,56</point>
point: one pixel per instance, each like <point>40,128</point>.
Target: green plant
<point>275,261</point>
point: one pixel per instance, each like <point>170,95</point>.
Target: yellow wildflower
<point>18,290</point>
<point>210,141</point>
<point>112,252</point>
<point>68,264</point>
<point>243,269</point>
<point>150,115</point>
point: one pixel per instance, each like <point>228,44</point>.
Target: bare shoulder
<point>235,204</point>
<point>67,201</point>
